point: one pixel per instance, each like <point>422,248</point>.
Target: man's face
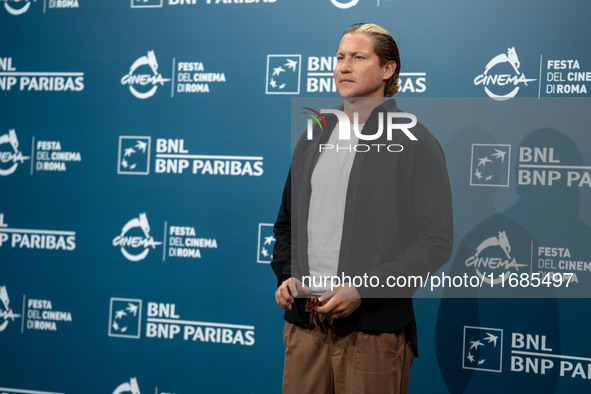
<point>358,72</point>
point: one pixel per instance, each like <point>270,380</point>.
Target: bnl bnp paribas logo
<point>266,243</point>
<point>163,321</point>
<point>143,78</point>
<point>501,77</point>
<point>125,317</point>
<point>483,349</point>
<point>146,3</point>
<point>526,353</point>
<point>284,75</point>
<point>135,241</point>
<point>134,155</point>
<point>490,165</point>
<point>172,157</point>
<point>10,154</point>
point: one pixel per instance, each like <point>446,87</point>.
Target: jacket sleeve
<point>281,262</point>
<point>430,223</point>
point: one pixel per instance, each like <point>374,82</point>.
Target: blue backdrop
<point>144,146</point>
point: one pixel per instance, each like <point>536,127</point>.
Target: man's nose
<point>346,65</point>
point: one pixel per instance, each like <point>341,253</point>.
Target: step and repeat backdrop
<point>144,146</point>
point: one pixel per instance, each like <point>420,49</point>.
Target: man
<point>379,213</point>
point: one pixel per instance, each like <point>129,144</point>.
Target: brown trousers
<point>323,359</point>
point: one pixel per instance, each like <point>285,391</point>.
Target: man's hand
<point>289,289</point>
<point>339,302</point>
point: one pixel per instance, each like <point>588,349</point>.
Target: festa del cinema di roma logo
<point>499,82</point>
<point>134,246</point>
<point>140,78</point>
<point>530,354</point>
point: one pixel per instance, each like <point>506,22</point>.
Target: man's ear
<point>389,69</point>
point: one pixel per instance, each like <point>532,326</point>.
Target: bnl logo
<point>483,349</point>
<point>490,165</point>
<point>283,74</point>
<point>266,243</point>
<point>134,155</point>
<point>125,315</point>
<point>146,3</point>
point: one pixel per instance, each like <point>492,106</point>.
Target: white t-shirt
<point>327,208</point>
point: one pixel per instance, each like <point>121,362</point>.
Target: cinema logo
<point>284,75</point>
<point>491,256</point>
<point>345,125</point>
<point>133,387</point>
<point>164,322</point>
<point>343,5</point>
<point>6,314</point>
<point>182,242</point>
<point>10,154</point>
<point>18,238</point>
<point>501,81</point>
<point>38,81</point>
<point>143,78</point>
<point>128,387</point>
<point>17,7</point>
<point>135,241</point>
<point>531,353</point>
